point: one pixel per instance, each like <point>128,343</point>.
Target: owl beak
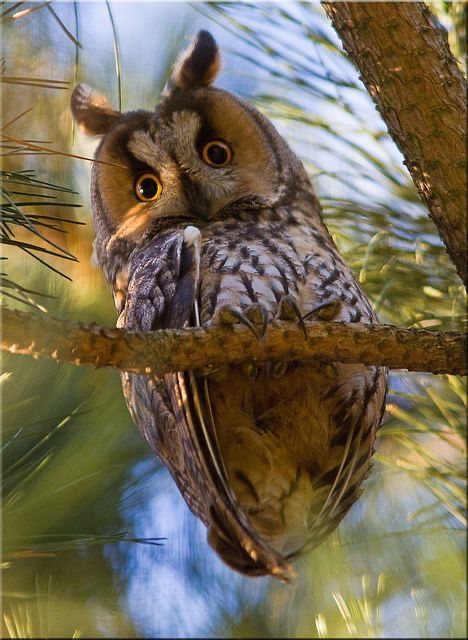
<point>199,207</point>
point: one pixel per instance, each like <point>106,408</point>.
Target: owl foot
<point>257,314</point>
<point>276,370</point>
<point>250,370</point>
<point>289,310</point>
<point>325,310</point>
<point>228,316</point>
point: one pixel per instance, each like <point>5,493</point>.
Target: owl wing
<point>174,413</point>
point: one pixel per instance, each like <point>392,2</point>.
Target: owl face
<point>202,156</point>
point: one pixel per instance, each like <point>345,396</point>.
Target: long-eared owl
<point>205,216</point>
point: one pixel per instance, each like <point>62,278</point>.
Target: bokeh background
<point>97,542</point>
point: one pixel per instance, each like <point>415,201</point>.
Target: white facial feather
<point>152,151</point>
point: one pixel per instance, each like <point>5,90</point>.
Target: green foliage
<point>79,483</point>
<point>21,189</point>
<point>18,226</point>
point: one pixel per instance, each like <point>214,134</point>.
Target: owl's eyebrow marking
<point>140,148</point>
<point>138,166</point>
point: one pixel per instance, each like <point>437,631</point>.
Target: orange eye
<point>216,153</point>
<point>148,187</point>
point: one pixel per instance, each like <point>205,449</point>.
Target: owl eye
<point>148,187</point>
<point>216,153</point>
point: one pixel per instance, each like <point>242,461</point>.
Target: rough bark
<point>407,66</point>
<point>159,352</point>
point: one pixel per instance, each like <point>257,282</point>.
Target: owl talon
<point>289,310</point>
<point>250,370</point>
<point>276,370</point>
<point>325,311</point>
<point>257,314</point>
<point>228,316</point>
<point>209,370</point>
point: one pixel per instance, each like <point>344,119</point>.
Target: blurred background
<point>97,542</point>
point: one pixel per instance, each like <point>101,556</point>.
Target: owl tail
<point>230,532</point>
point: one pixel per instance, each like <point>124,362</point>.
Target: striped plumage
<point>269,456</point>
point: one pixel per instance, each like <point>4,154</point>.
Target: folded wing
<point>173,414</point>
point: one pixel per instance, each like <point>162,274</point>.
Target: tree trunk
<point>407,67</point>
<point>159,352</point>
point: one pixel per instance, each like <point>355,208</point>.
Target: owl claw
<point>250,370</point>
<point>326,310</point>
<point>227,315</point>
<point>276,370</point>
<point>289,310</point>
<point>258,315</point>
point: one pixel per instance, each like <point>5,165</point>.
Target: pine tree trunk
<point>407,67</point>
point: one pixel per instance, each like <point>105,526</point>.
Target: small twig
<point>36,147</point>
<point>24,12</point>
<point>63,27</point>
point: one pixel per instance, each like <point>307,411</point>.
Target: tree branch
<point>159,352</point>
<point>408,68</point>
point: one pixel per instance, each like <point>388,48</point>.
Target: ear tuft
<point>199,65</point>
<point>91,111</point>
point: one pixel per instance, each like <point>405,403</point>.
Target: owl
<point>204,216</point>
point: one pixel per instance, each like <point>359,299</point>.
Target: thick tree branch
<point>159,352</point>
<point>413,78</point>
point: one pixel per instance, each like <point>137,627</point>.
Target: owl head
<point>203,155</point>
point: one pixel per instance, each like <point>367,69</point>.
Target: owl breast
<point>292,435</point>
<point>247,263</point>
<point>253,262</point>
